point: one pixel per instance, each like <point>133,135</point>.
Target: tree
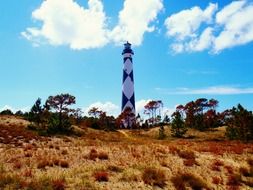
<point>126,118</point>
<point>35,114</point>
<point>106,122</point>
<point>59,104</point>
<point>6,112</point>
<point>151,108</point>
<point>190,112</point>
<point>239,123</point>
<point>213,104</point>
<point>200,114</point>
<point>95,112</point>
<point>19,113</point>
<point>77,114</point>
<point>178,128</point>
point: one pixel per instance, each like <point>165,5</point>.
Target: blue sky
<point>183,51</point>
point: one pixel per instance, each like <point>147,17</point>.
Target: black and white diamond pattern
<point>128,99</point>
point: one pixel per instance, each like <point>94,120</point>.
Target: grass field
<point>122,160</point>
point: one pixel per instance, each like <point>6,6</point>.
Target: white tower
<point>128,99</point>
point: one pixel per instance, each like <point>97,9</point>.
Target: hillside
<point>121,160</point>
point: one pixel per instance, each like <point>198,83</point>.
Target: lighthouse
<point>128,100</point>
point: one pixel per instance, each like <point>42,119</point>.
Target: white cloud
<point>64,22</point>
<point>139,106</point>
<point>224,15</point>
<point>213,90</point>
<point>233,26</point>
<point>203,42</point>
<point>168,111</point>
<point>135,19</point>
<point>237,22</point>
<point>14,110</point>
<point>108,107</point>
<point>186,22</point>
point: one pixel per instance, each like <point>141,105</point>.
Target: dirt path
<point>123,132</point>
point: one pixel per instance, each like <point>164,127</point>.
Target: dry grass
<point>112,160</point>
<point>101,176</point>
<point>183,180</point>
<point>154,177</point>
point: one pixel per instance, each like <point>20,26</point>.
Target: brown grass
<point>103,156</point>
<point>64,163</point>
<point>101,176</point>
<point>216,180</point>
<point>182,180</point>
<point>59,184</point>
<point>154,177</point>
<point>234,180</point>
<point>28,161</point>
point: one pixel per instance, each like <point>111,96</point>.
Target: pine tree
<point>178,128</point>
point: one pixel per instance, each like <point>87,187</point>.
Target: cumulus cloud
<point>186,22</point>
<point>168,111</point>
<point>203,42</point>
<point>135,19</point>
<point>184,25</point>
<point>108,107</point>
<point>237,22</point>
<point>225,14</point>
<point>164,110</point>
<point>64,22</point>
<point>195,30</point>
<point>139,105</point>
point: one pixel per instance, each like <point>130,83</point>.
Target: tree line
<point>202,115</point>
<point>55,116</point>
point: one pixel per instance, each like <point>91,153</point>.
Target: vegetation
<point>201,114</point>
<point>55,116</point>
<point>178,128</point>
<point>115,158</point>
<point>183,180</point>
<point>59,120</point>
<point>101,159</point>
<point>126,119</point>
<point>6,112</point>
<point>99,120</point>
<point>151,109</point>
<point>154,177</point>
<point>239,123</point>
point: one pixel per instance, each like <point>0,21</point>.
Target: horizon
<point>181,52</point>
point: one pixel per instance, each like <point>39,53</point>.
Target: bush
<point>55,126</point>
<point>182,180</point>
<point>58,184</point>
<point>178,128</point>
<point>234,180</point>
<point>114,168</point>
<point>162,134</point>
<point>93,154</point>
<point>64,164</point>
<point>131,175</point>
<point>101,176</point>
<point>103,156</point>
<point>154,177</point>
<point>6,112</point>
